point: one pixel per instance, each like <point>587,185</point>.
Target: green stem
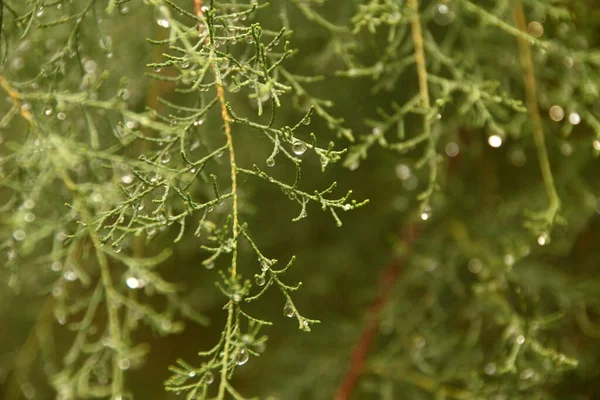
<point>532,107</point>
<point>419,50</point>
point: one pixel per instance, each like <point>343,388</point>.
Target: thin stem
<point>417,36</point>
<point>532,107</point>
<point>227,129</point>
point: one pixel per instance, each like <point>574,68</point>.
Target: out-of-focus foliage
<point>158,157</point>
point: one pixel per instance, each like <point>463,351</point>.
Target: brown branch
<point>387,281</point>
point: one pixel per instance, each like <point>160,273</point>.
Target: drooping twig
<point>387,281</point>
<point>534,113</point>
<point>199,9</point>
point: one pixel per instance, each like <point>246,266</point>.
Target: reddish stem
<point>387,281</point>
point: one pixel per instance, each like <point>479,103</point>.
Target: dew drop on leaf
<point>490,369</point>
<point>542,239</point>
<point>298,147</point>
<point>288,310</point>
<point>242,357</point>
<point>209,378</point>
<point>162,16</point>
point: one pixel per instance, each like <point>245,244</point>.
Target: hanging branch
<point>387,281</point>
<point>548,216</point>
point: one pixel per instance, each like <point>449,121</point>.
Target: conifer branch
<point>549,216</point>
<point>430,155</point>
<point>113,318</point>
<point>223,384</point>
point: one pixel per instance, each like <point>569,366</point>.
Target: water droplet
<point>376,131</point>
<point>209,378</point>
<point>298,147</point>
<point>29,217</point>
<point>166,158</point>
<point>566,149</point>
<point>426,213</point>
<point>596,144</point>
<point>520,339</point>
<point>574,118</point>
<point>184,64</point>
<point>163,16</point>
<point>56,266</point>
<point>19,234</point>
<point>157,69</point>
<point>509,260</point>
<point>452,149</point>
<point>127,179</point>
<point>347,207</point>
<point>191,374</point>
<point>260,280</point>
<point>39,12</point>
<point>495,141</point>
<point>48,111</point>
<point>270,162</point>
<point>354,166</point>
<point>29,204</point>
<point>132,282</point>
<point>288,310</point>
<point>204,9</point>
<point>90,66</point>
<point>70,275</point>
<point>535,29</point>
<point>542,239</point>
<point>569,62</point>
<point>556,113</point>
<point>61,116</point>
<point>442,15</point>
<point>306,121</point>
<point>264,264</point>
<point>242,357</point>
<point>490,368</point>
<point>475,266</point>
<point>124,364</point>
<point>403,172</point>
<point>236,297</point>
<point>209,265</point>
<point>117,248</point>
<point>199,122</point>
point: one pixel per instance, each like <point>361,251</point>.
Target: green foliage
<point>146,146</point>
